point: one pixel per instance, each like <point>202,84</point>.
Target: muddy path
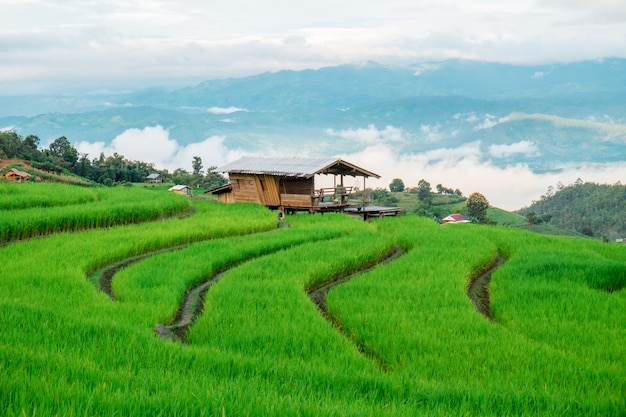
<point>478,288</point>
<point>191,307</point>
<point>105,281</point>
<point>319,295</point>
<point>193,301</point>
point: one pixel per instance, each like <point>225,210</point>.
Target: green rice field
<point>89,276</point>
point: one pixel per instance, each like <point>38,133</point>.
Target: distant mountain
<point>591,209</point>
<point>543,115</point>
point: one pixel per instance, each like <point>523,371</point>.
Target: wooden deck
<point>369,212</point>
<point>334,199</point>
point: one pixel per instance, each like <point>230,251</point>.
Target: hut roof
<point>19,173</point>
<point>179,187</point>
<point>295,167</point>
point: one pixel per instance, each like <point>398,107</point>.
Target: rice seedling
<point>105,207</point>
<point>555,345</point>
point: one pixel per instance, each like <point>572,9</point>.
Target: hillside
<point>590,209</point>
<point>189,316</point>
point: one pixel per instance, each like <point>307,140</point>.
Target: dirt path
<point>105,282</point>
<point>478,288</point>
<point>318,297</point>
<point>191,307</point>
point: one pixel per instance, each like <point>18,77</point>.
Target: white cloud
<point>509,188</point>
<point>148,144</point>
<point>524,147</point>
<point>471,149</point>
<point>225,110</point>
<point>160,42</point>
<point>153,144</point>
<point>432,133</point>
<point>371,135</point>
<point>489,122</point>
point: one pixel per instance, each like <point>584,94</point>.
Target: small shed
<point>15,175</point>
<point>181,189</point>
<point>154,178</point>
<point>455,218</point>
<point>288,184</point>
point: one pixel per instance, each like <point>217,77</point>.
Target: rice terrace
<point>132,301</point>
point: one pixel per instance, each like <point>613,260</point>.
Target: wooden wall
<point>265,189</point>
<point>262,189</point>
<point>296,186</point>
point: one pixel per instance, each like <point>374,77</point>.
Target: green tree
<point>30,148</point>
<point>10,144</point>
<point>63,153</point>
<point>182,176</point>
<point>212,179</point>
<point>424,192</point>
<point>196,164</point>
<point>396,186</point>
<point>533,218</point>
<point>477,206</point>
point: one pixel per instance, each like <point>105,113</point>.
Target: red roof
<point>456,218</point>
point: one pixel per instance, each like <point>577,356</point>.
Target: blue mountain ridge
<point>571,113</point>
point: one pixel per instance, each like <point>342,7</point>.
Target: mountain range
<point>545,116</point>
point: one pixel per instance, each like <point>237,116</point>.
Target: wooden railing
<point>337,195</point>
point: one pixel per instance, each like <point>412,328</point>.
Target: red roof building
<point>455,218</point>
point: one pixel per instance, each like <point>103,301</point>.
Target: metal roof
<point>294,167</point>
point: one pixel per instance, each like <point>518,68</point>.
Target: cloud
<point>471,149</point>
<point>432,133</point>
<point>371,135</point>
<point>153,144</point>
<point>225,110</point>
<point>160,42</point>
<point>524,147</point>
<point>510,188</point>
<point>489,122</point>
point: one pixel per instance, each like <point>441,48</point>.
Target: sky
<point>61,45</point>
<point>87,46</point>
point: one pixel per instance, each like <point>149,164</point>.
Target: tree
<point>213,179</point>
<point>196,164</point>
<point>424,193</point>
<point>382,197</point>
<point>477,206</point>
<point>182,176</point>
<point>30,146</point>
<point>10,144</point>
<point>64,152</point>
<point>397,185</point>
<point>533,218</point>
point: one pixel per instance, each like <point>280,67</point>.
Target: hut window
<point>235,184</point>
<point>262,185</point>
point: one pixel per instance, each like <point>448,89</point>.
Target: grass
<point>37,209</point>
<point>406,340</point>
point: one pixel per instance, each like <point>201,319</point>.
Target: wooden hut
<point>15,175</point>
<point>288,184</point>
<point>154,178</point>
<point>181,189</point>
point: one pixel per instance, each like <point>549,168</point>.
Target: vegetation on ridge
<point>588,208</point>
